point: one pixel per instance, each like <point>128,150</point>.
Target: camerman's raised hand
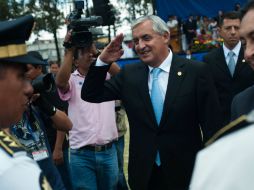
<point>113,51</point>
<point>67,41</point>
<point>68,36</point>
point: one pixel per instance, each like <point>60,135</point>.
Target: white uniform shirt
<point>17,170</point>
<point>227,164</point>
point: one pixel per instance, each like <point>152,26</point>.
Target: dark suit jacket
<point>226,85</point>
<point>190,102</point>
<point>242,103</point>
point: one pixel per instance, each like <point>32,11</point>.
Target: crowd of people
<point>190,122</point>
<point>199,28</point>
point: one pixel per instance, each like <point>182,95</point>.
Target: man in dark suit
<point>190,30</point>
<point>162,149</point>
<point>229,84</point>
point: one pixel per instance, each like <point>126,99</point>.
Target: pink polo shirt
<point>93,123</point>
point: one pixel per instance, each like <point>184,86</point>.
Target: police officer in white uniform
<point>17,171</point>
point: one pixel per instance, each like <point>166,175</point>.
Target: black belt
<point>97,148</point>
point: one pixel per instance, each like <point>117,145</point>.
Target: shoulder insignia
<point>239,123</point>
<point>9,144</point>
<point>44,184</point>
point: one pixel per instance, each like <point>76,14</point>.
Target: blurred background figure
<point>237,7</point>
<point>54,67</point>
<point>59,140</point>
<point>122,126</point>
<point>188,54</point>
<point>213,28</point>
<point>172,22</point>
<point>219,16</point>
<point>190,28</point>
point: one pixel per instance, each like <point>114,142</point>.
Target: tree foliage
<point>11,9</point>
<point>137,8</point>
<point>48,17</point>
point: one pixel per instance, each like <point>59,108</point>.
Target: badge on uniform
<point>40,155</point>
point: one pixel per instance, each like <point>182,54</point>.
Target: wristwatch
<point>54,110</point>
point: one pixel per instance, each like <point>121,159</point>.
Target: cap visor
<point>25,59</point>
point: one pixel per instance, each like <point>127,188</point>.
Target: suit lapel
<point>176,76</point>
<point>221,63</point>
<point>240,63</point>
<point>142,86</point>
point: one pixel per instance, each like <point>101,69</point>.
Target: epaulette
<point>44,184</point>
<point>237,124</point>
<point>9,144</point>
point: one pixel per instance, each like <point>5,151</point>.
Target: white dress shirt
<point>236,51</point>
<point>163,76</point>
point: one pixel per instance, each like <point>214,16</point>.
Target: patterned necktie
<point>231,63</point>
<point>157,102</point>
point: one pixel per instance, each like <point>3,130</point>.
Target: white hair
<point>159,25</point>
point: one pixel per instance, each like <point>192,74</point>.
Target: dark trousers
<point>64,170</point>
<point>122,184</point>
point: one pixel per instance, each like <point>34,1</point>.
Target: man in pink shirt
<point>93,156</point>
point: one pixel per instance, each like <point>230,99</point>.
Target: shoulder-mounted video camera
<point>81,36</point>
<point>44,84</point>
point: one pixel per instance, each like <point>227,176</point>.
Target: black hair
<point>229,15</point>
<point>43,68</point>
<point>54,62</point>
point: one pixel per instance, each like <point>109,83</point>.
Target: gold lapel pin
<point>179,73</point>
